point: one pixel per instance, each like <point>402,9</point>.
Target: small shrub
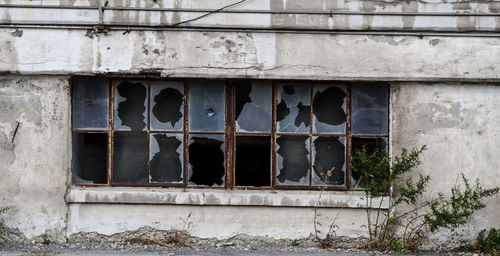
<point>489,243</point>
<point>424,216</point>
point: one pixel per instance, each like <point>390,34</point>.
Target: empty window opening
<point>90,158</point>
<point>369,144</point>
<point>329,160</point>
<point>130,157</point>
<point>166,161</point>
<point>293,159</point>
<point>206,157</point>
<point>253,161</point>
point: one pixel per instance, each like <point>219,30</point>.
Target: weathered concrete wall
<point>34,154</point>
<point>219,222</point>
<point>282,14</point>
<point>459,124</point>
<point>249,55</point>
<point>456,120</point>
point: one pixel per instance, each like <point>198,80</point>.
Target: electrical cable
<point>206,14</point>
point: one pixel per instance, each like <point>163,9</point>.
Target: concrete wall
<point>34,155</point>
<point>458,122</point>
<point>457,119</point>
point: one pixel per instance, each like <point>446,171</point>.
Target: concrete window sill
<point>129,195</point>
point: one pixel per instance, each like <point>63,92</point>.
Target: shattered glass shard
<point>210,112</point>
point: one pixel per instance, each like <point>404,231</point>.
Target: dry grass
<point>176,240</point>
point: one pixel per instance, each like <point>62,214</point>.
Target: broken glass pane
<point>90,158</point>
<point>253,106</point>
<point>167,105</point>
<point>130,157</point>
<point>206,160</point>
<point>206,105</point>
<point>253,161</point>
<point>370,144</point>
<point>329,109</point>
<point>293,112</point>
<point>329,161</point>
<point>370,108</point>
<point>90,103</point>
<point>130,105</point>
<point>166,156</point>
<point>292,160</point>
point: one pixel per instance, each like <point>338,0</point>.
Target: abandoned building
<point>227,117</point>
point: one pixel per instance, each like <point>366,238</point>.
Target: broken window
<point>369,144</point>
<point>226,134</point>
<point>253,106</point>
<point>253,161</point>
<point>130,105</point>
<point>292,159</point>
<point>206,102</point>
<point>293,112</point>
<point>330,114</point>
<point>167,105</point>
<point>90,158</point>
<point>166,156</point>
<point>329,160</point>
<point>206,160</point>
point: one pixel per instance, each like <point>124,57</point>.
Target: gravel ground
<point>123,249</point>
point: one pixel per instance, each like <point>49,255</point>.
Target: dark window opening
<point>369,144</point>
<point>90,158</point>
<point>253,161</point>
<point>206,157</point>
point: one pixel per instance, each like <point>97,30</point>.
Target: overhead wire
<point>206,14</point>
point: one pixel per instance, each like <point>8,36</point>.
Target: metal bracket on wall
<point>101,28</point>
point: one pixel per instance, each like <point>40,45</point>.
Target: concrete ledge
<point>126,195</point>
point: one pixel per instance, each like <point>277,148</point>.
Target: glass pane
<point>293,112</point>
<point>329,109</point>
<point>329,161</point>
<point>206,106</point>
<point>130,105</point>
<point>370,144</point>
<point>130,157</point>
<point>166,156</point>
<point>90,103</point>
<point>292,160</point>
<point>167,105</point>
<point>253,106</point>
<point>206,160</point>
<point>90,158</point>
<point>370,108</point>
<point>253,161</point>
